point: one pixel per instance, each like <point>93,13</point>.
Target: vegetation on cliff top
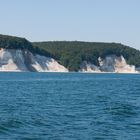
<point>72,53</point>
<point>12,42</point>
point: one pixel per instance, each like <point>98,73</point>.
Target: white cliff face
<point>44,64</point>
<point>88,67</point>
<point>19,60</point>
<point>111,63</point>
<point>11,60</point>
<point>116,64</point>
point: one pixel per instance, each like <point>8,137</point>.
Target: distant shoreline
<point>68,72</point>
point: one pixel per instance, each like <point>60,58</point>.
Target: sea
<point>69,106</point>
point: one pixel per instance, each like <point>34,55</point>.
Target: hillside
<point>72,53</point>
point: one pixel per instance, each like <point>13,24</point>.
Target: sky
<point>82,20</point>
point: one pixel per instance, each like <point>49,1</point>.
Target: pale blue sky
<point>84,20</point>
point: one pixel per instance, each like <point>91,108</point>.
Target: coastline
<point>137,73</point>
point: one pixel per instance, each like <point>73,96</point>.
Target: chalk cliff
<point>89,67</point>
<point>111,63</point>
<point>23,60</point>
<point>19,54</point>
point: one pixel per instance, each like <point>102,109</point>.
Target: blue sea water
<point>69,106</point>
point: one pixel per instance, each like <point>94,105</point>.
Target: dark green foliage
<point>11,42</point>
<point>71,54</point>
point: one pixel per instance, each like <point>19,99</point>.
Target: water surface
<point>69,106</point>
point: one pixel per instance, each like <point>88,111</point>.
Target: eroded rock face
<point>22,60</point>
<point>111,63</point>
<point>12,60</point>
<point>89,67</point>
<point>116,64</point>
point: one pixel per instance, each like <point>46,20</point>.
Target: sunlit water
<point>69,106</point>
